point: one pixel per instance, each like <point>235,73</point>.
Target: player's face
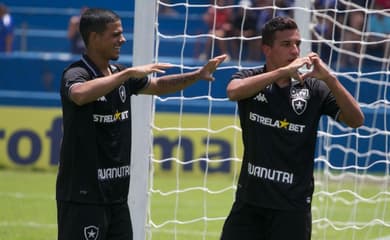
<point>111,40</point>
<point>286,48</point>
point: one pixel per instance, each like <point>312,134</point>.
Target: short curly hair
<point>96,20</point>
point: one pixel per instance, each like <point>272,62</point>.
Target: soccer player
<point>279,109</point>
<point>94,170</point>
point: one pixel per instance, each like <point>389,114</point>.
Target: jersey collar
<point>93,68</point>
<point>90,65</point>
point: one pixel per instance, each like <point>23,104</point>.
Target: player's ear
<point>266,49</point>
<point>93,37</point>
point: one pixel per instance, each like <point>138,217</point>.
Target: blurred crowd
<point>355,27</point>
<point>241,25</point>
<point>350,27</point>
<point>76,45</point>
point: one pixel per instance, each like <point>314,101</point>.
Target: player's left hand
<point>319,68</point>
<point>207,70</point>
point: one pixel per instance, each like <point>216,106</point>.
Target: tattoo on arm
<point>177,80</point>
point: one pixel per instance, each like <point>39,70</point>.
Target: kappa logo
<point>261,98</point>
<point>102,99</point>
<point>91,233</point>
<point>299,97</point>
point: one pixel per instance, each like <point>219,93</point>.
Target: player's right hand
<point>293,68</point>
<point>144,70</point>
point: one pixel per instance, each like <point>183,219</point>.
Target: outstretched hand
<point>207,70</point>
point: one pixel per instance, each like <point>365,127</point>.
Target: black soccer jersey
<point>279,130</point>
<point>95,153</point>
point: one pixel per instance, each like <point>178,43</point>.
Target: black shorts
<point>93,222</point>
<point>250,222</point>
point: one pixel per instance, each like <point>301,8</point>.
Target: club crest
<point>91,233</point>
<point>299,97</point>
<point>122,93</point>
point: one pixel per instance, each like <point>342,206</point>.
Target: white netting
<point>197,139</point>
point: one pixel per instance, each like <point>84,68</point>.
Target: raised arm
<point>82,93</point>
<point>238,89</point>
<point>86,92</point>
<point>350,112</point>
<point>176,82</point>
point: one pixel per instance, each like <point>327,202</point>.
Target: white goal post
<point>142,110</point>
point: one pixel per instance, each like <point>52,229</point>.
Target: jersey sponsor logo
<point>113,173</point>
<point>111,118</point>
<point>261,98</point>
<point>91,232</point>
<point>280,124</point>
<point>299,97</point>
<point>122,93</point>
<point>270,174</point>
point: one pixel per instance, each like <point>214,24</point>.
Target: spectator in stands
<point>244,26</point>
<point>94,170</point>
<point>324,29</point>
<point>351,36</point>
<point>270,9</point>
<point>279,110</point>
<point>74,36</point>
<point>223,27</point>
<point>325,4</point>
<point>379,23</point>
<point>382,4</point>
<point>6,30</point>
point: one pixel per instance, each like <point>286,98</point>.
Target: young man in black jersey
<point>279,109</point>
<point>94,171</point>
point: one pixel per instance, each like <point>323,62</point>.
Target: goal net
<point>197,148</point>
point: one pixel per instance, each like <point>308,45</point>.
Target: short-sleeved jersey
<point>279,130</point>
<point>95,152</point>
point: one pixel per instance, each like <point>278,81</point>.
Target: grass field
<point>27,208</point>
<point>27,205</point>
